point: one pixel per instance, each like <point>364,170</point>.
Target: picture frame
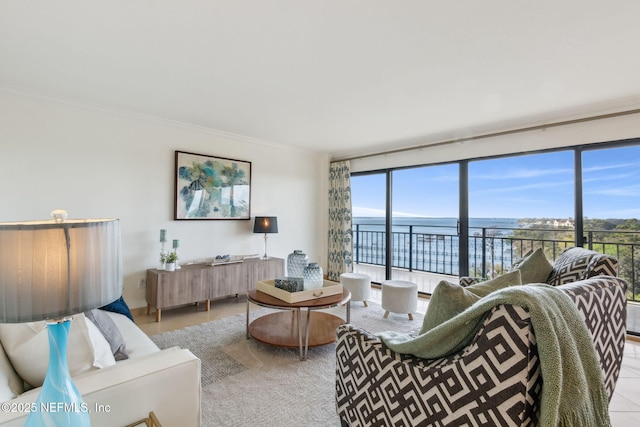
<point>211,188</point>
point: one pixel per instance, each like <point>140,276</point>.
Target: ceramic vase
<point>312,276</point>
<point>296,262</point>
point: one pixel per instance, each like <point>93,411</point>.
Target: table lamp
<point>50,270</point>
<point>266,225</point>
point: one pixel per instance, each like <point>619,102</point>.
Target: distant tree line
<point>619,238</point>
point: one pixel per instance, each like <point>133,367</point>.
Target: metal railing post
<point>411,248</point>
<point>484,252</point>
<point>357,242</point>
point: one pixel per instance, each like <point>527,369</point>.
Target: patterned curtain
<point>340,231</point>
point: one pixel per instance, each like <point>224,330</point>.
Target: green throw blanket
<point>573,391</point>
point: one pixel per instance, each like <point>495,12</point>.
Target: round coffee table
<point>289,328</point>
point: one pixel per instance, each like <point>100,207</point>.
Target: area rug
<point>245,382</point>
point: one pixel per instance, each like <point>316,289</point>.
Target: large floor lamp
<point>50,270</point>
<point>266,225</point>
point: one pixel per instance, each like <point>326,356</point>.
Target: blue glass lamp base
<point>59,404</point>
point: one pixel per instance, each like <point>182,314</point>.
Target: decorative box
<point>289,284</point>
<point>329,288</point>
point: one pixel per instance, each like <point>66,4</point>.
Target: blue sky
<point>537,185</point>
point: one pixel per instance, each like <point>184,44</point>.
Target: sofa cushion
<point>10,383</point>
<point>27,346</point>
<point>577,263</point>
<point>534,268</point>
<point>449,299</point>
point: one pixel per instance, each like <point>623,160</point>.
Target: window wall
<point>475,217</point>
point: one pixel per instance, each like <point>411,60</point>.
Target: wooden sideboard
<point>204,282</point>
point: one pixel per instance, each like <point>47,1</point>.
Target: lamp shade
<point>51,269</point>
<point>265,224</point>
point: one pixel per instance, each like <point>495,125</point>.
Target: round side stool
<point>358,284</point>
<point>399,296</point>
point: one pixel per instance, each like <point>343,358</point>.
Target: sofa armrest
<point>602,302</point>
<point>374,384</point>
<point>166,382</point>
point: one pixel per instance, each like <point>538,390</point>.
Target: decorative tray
<point>329,288</point>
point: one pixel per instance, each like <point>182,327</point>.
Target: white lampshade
<point>51,269</point>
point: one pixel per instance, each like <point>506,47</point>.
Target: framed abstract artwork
<point>210,187</point>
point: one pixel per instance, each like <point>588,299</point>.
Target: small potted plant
<point>163,260</point>
<point>171,260</point>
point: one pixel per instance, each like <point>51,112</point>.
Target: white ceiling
<point>337,76</point>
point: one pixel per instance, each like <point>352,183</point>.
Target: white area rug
<point>247,383</point>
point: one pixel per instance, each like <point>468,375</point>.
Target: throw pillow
<point>534,268</point>
<point>101,348</point>
<point>467,281</point>
<point>27,346</point>
<point>577,263</point>
<point>119,306</point>
<point>11,385</point>
<point>110,332</point>
<point>449,299</point>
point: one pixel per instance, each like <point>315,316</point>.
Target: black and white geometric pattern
<point>468,281</point>
<point>577,263</point>
<point>602,302</point>
<point>494,381</point>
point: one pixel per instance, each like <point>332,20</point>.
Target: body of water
<point>430,225</point>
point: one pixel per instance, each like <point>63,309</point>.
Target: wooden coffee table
<point>291,328</point>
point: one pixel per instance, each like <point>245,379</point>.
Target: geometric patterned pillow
<point>577,263</point>
<point>468,281</point>
<point>601,265</point>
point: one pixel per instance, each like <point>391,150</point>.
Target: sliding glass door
<point>369,203</point>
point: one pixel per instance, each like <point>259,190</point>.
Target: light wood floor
<point>181,317</point>
<point>624,408</point>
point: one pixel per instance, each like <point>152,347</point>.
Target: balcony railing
<point>491,250</point>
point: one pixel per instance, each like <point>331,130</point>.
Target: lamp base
<point>265,247</point>
<point>59,403</point>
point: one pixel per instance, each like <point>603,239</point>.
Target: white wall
<point>97,163</point>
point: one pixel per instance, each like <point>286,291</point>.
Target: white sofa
<point>166,382</point>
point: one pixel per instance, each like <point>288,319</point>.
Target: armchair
<point>495,380</point>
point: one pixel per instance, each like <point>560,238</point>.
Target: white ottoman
<point>358,284</point>
<point>399,296</point>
